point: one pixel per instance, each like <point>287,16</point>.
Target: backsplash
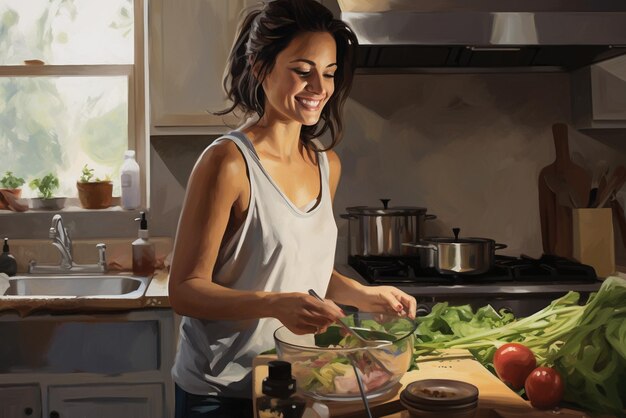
<point>469,147</point>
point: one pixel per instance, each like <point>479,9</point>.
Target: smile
<point>309,104</point>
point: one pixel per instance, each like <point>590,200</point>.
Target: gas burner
<point>506,269</point>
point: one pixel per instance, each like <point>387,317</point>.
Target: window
<point>71,88</point>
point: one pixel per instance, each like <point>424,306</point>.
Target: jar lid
<point>279,382</point>
<point>385,210</point>
<point>440,393</point>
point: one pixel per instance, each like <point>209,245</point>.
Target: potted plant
<point>10,191</point>
<point>46,185</point>
<point>94,193</point>
<point>12,184</point>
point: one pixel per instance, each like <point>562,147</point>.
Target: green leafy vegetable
<point>587,344</point>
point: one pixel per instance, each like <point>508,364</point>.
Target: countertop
<point>496,400</point>
<point>154,297</point>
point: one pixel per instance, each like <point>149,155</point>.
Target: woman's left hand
<point>387,299</point>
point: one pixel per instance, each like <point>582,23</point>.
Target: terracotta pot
<point>95,195</point>
<point>15,192</point>
<point>8,199</point>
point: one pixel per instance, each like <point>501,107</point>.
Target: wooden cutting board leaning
<point>562,185</point>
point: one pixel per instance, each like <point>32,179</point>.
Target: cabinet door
<point>189,46</point>
<point>20,401</point>
<point>106,401</point>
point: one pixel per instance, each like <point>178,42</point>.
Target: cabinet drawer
<point>61,346</point>
<point>106,401</point>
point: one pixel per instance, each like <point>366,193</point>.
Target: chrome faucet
<point>62,242</point>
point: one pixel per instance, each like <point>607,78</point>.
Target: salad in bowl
<point>324,364</point>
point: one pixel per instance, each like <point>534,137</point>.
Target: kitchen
<point>467,146</point>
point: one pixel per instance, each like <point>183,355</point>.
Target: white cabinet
<point>189,46</point>
<point>106,401</point>
<point>100,365</point>
<point>599,95</point>
<point>20,401</point>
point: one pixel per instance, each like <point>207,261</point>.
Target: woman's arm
<point>218,181</point>
<point>348,291</point>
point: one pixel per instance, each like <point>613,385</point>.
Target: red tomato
<point>513,363</point>
<point>544,387</point>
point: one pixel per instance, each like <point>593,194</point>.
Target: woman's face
<point>301,81</point>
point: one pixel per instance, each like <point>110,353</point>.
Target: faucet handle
<point>102,258</point>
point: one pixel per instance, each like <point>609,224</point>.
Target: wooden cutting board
<point>556,219</point>
<point>453,364</point>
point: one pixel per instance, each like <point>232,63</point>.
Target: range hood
<point>485,35</point>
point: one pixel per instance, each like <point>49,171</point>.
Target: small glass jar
<point>279,387</point>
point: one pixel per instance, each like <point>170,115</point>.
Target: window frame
<point>136,78</point>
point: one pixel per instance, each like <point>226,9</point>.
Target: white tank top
<point>278,248</point>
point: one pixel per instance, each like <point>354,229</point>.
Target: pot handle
<point>348,216</point>
<point>423,246</point>
<point>429,217</point>
<point>500,246</point>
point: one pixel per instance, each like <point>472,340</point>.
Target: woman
<point>257,228</point>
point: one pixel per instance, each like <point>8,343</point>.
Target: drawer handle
<point>55,414</point>
<point>28,411</point>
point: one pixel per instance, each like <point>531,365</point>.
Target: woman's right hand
<point>304,314</point>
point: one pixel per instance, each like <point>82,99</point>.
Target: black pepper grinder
<point>8,265</point>
<point>278,389</point>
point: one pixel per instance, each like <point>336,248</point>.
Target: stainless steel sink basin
<point>98,286</point>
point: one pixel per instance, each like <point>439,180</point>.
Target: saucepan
<point>467,256</point>
<point>380,231</point>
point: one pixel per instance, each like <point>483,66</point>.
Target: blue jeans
<point>189,405</point>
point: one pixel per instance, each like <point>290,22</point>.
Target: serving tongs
<point>365,343</point>
<point>355,332</point>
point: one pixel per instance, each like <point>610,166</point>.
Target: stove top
<point>506,269</point>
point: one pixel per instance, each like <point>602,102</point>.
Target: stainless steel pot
<point>456,255</point>
<point>380,231</point>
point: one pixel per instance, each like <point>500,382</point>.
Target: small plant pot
<point>10,199</point>
<point>95,195</point>
<point>15,192</point>
<point>54,203</point>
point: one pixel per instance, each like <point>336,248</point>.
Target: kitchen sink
<point>89,286</point>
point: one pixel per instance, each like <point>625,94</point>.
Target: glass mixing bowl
<point>322,364</point>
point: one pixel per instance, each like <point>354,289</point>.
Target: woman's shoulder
<point>222,156</point>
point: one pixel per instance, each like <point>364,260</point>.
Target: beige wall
<point>467,147</point>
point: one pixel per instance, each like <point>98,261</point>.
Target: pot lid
<point>457,240</point>
<point>385,210</point>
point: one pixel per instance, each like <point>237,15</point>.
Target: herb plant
<point>87,176</point>
<point>9,181</point>
<point>46,185</point>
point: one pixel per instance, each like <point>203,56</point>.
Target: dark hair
<point>263,34</point>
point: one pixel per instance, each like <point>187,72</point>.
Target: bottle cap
<point>129,154</point>
<point>5,247</point>
<point>143,223</point>
<point>279,382</point>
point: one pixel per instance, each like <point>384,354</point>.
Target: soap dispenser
<point>143,250</point>
<point>8,264</point>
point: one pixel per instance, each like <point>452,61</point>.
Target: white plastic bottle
<point>131,196</point>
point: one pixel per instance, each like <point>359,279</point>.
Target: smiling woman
<point>65,102</point>
<point>257,228</point>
